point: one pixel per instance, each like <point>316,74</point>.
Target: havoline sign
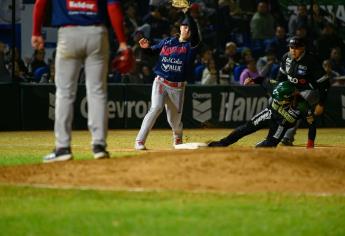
<point>32,107</point>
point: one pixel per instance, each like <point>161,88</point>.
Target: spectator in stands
<point>337,62</point>
<point>231,7</point>
<point>316,20</point>
<point>20,70</point>
<point>334,77</point>
<point>275,9</point>
<point>230,15</point>
<point>19,76</point>
<point>268,65</point>
<point>231,58</point>
<point>142,57</point>
<point>278,43</point>
<point>159,23</point>
<point>37,60</point>
<point>261,24</point>
<point>299,19</point>
<point>21,65</point>
<point>209,74</point>
<point>131,21</point>
<point>4,74</point>
<point>206,23</point>
<point>230,54</point>
<point>146,74</point>
<point>249,74</point>
<point>328,40</point>
<point>51,75</point>
<point>246,55</point>
<point>201,64</point>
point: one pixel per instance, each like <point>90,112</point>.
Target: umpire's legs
<point>67,65</point>
<point>96,71</point>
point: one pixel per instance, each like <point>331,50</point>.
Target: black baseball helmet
<point>296,42</point>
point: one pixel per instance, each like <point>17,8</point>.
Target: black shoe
<point>100,152</point>
<point>287,142</point>
<point>58,154</point>
<point>217,144</point>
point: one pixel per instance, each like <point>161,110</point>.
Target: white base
<point>190,145</point>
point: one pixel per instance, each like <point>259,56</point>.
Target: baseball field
<point>238,190</point>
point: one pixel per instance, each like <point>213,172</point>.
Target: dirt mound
<point>239,170</point>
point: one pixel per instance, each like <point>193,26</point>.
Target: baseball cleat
<point>310,143</point>
<point>58,154</point>
<point>139,145</point>
<point>177,141</point>
<point>100,152</point>
<point>287,142</point>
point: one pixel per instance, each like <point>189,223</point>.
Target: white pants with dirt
<point>78,45</point>
<point>170,95</point>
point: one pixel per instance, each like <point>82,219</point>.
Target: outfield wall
<point>32,106</point>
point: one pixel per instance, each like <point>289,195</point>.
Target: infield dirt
<point>237,170</point>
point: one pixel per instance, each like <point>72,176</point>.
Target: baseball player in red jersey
<point>82,39</point>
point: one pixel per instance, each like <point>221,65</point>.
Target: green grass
<point>29,147</point>
<point>38,211</point>
<point>30,211</point>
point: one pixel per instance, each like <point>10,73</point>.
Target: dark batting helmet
<point>283,91</point>
<point>296,42</point>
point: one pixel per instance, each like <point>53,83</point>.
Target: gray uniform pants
<point>312,97</point>
<point>79,45</point>
<point>173,99</point>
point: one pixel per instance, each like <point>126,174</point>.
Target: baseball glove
<point>180,4</point>
<point>124,61</point>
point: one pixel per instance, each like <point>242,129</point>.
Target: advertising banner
<point>38,107</point>
<point>222,106</point>
<point>205,106</point>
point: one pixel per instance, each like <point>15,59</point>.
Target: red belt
<point>171,84</point>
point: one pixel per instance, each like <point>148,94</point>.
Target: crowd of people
<point>241,40</point>
<point>35,69</point>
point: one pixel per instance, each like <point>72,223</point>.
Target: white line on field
<point>147,190</point>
